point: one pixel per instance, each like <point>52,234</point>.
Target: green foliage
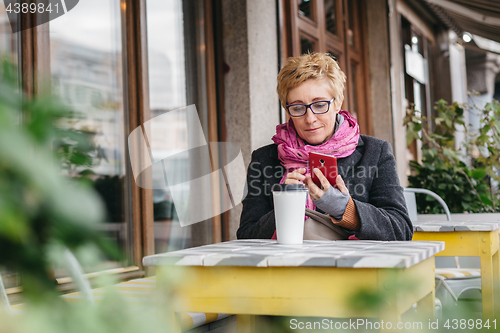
<point>112,314</point>
<point>370,299</point>
<point>39,207</point>
<point>463,176</point>
<point>43,209</point>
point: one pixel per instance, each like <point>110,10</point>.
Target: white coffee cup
<point>289,211</point>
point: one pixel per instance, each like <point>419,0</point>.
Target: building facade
<point>134,60</point>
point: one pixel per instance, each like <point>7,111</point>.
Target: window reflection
<point>334,56</point>
<point>331,16</point>
<point>305,9</point>
<point>306,45</point>
<point>167,78</point>
<point>86,71</point>
<point>350,31</point>
<point>176,79</point>
<point>8,40</point>
<point>167,91</point>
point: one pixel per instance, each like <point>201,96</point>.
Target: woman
<point>368,201</point>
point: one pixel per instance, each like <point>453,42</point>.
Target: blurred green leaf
<point>40,206</point>
<point>478,173</point>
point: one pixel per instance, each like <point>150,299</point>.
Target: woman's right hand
<point>296,177</point>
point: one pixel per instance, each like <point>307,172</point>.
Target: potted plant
<point>466,177</point>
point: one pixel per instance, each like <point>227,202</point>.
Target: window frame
<point>33,49</point>
<point>34,54</point>
<point>34,67</point>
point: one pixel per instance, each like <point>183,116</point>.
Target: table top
<point>461,217</point>
<point>446,226</point>
<point>268,253</point>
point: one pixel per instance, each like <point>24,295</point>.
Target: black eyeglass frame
<point>309,106</point>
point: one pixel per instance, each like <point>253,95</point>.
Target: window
<point>8,40</point>
<point>307,45</point>
<point>417,89</point>
<point>333,26</point>
<point>178,77</point>
<point>118,67</point>
<point>87,73</point>
<point>331,17</point>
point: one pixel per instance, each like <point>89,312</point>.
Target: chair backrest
<point>411,202</point>
<point>4,300</point>
<point>76,272</point>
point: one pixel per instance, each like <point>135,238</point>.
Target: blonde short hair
<point>311,66</point>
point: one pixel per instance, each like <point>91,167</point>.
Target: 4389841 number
<point>31,8</point>
<point>470,324</point>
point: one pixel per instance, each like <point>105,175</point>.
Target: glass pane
<point>8,40</point>
<point>350,32</point>
<point>496,94</point>
<point>334,56</point>
<point>354,90</point>
<point>306,9</point>
<point>331,16</point>
<point>306,45</point>
<point>417,96</point>
<point>177,86</point>
<point>167,76</point>
<point>87,74</point>
<point>9,43</point>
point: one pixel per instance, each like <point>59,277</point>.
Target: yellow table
<point>474,239</point>
<point>317,279</point>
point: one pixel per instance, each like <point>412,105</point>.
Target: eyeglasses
<point>319,107</point>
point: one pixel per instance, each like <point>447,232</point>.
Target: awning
<point>478,17</point>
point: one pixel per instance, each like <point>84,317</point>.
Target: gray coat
<point>370,175</point>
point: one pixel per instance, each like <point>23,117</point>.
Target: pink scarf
<point>293,152</point>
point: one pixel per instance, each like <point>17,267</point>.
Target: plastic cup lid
<point>288,187</point>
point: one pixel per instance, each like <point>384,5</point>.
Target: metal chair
<point>4,300</point>
<point>75,272</point>
<point>451,283</point>
<point>411,202</point>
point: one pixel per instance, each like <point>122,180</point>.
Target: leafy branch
<point>461,175</point>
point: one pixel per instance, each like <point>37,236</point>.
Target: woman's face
<point>314,128</point>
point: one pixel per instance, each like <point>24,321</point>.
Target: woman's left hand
<point>316,192</point>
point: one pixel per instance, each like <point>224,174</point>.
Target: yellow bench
<point>476,239</point>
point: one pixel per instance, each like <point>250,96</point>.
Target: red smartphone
<point>328,166</point>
